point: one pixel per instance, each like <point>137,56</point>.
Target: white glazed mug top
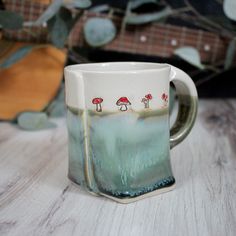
<point>112,84</point>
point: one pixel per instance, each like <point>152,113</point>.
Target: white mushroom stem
<point>146,102</point>
<point>98,107</point>
<point>123,107</point>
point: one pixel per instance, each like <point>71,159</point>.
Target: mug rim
<point>103,67</point>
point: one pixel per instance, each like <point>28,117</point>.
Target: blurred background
<point>40,37</point>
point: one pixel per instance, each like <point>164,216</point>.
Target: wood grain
<point>36,198</point>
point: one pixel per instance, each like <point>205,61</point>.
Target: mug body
<point>118,128</point>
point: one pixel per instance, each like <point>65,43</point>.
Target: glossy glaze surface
<point>128,153</point>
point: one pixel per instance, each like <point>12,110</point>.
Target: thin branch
<point>194,20</point>
<point>203,18</point>
<point>219,1</point>
<point>212,68</point>
<point>206,79</point>
<point>74,56</point>
<point>29,31</point>
<point>178,11</point>
<point>207,21</point>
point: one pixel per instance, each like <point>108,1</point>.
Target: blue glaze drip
<point>128,152</point>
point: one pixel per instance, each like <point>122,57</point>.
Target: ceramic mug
<point>118,126</point>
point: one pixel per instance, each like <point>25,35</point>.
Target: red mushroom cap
<point>97,100</point>
<point>124,100</point>
<point>148,96</point>
<point>164,96</point>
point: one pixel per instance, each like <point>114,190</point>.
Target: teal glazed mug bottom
<point>119,137</point>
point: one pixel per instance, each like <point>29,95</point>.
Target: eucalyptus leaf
<point>137,3</point>
<point>16,56</point>
<point>77,3</point>
<point>49,12</point>
<point>61,94</point>
<point>190,55</point>
<point>230,54</point>
<point>138,19</point>
<point>59,27</point>
<point>99,31</point>
<point>100,8</point>
<point>229,7</point>
<point>34,121</point>
<point>10,20</point>
<point>56,109</point>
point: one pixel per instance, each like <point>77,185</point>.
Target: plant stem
<point>207,21</point>
<point>77,57</point>
<point>219,1</point>
<point>204,80</point>
<point>180,10</point>
<point>194,20</point>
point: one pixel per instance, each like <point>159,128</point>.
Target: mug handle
<point>188,104</point>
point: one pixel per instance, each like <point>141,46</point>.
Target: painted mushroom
<point>164,97</point>
<point>146,100</point>
<point>97,102</point>
<point>123,102</point>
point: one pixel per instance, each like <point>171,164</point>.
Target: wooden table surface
<point>36,198</point>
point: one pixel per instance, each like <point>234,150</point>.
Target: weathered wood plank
<point>36,198</point>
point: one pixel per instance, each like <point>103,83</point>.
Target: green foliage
<point>52,9</point>
<point>138,19</point>
<point>10,20</point>
<point>16,56</point>
<point>60,25</point>
<point>100,8</point>
<point>230,54</point>
<point>223,21</point>
<point>99,31</point>
<point>190,55</point>
<point>78,4</point>
<point>34,121</point>
<point>229,7</point>
<point>137,3</point>
<point>57,107</point>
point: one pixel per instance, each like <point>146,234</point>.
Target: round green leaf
<point>137,3</point>
<point>56,109</point>
<point>78,3</point>
<point>99,31</point>
<point>49,12</point>
<point>190,55</point>
<point>229,8</point>
<point>34,121</point>
<point>10,20</point>
<point>59,27</point>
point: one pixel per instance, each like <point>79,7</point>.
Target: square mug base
<point>126,200</point>
<point>140,197</point>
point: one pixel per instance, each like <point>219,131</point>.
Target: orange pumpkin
<point>32,82</point>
